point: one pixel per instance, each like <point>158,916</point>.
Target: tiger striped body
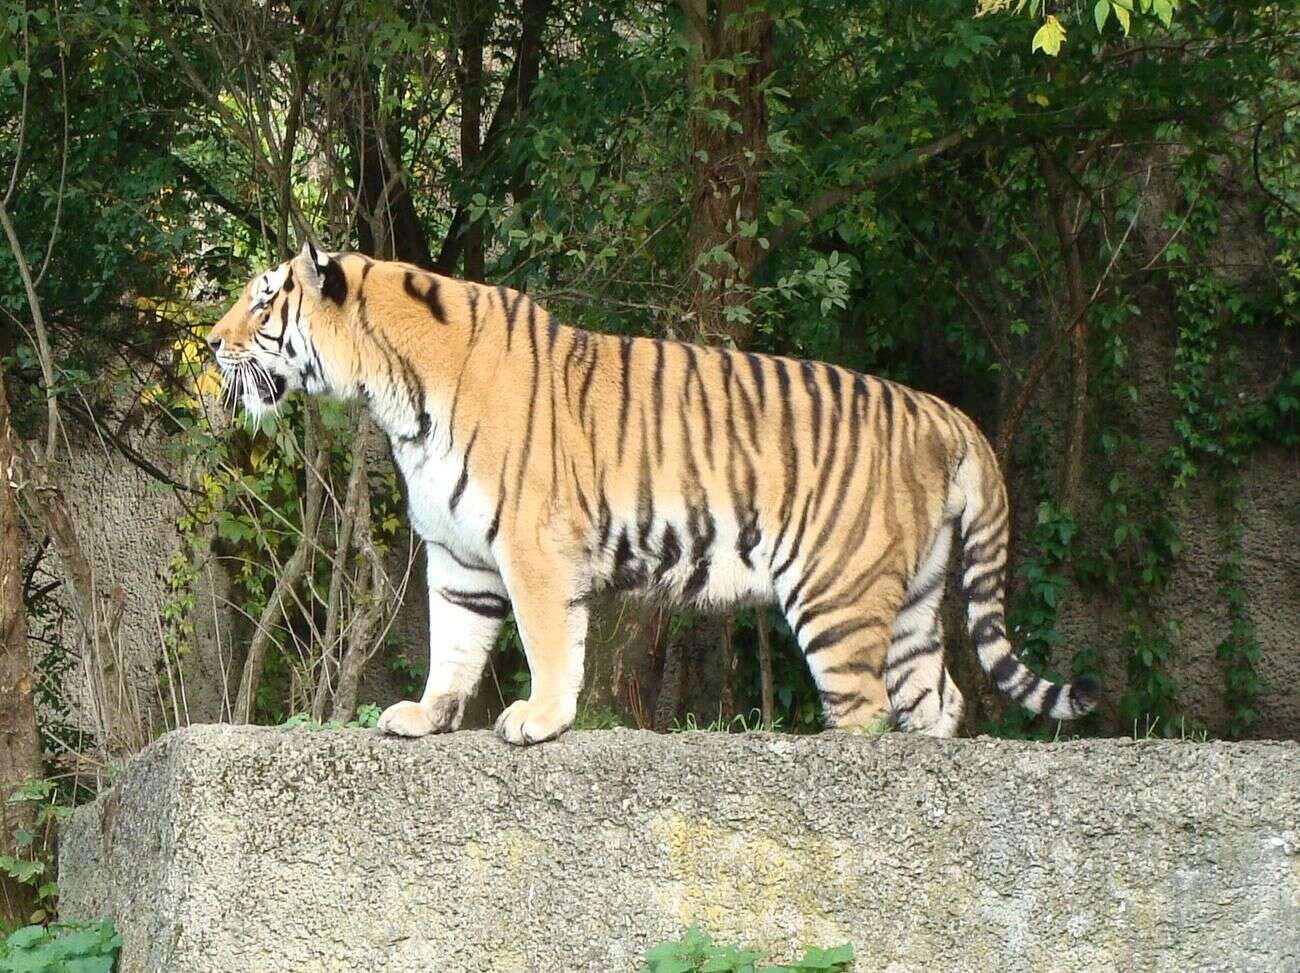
<point>545,463</point>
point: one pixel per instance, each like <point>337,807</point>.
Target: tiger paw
<point>532,721</point>
<point>409,719</point>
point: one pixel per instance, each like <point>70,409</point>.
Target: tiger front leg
<point>552,621</point>
<point>467,603</point>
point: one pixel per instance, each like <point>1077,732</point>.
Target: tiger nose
<point>214,344</point>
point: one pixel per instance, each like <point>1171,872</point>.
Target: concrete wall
<point>233,850</point>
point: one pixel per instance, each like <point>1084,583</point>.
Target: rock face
<point>265,850</point>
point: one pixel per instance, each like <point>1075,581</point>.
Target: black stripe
<point>485,603</point>
<point>645,505</point>
<point>756,369</point>
<point>693,371</point>
<point>532,411</point>
<point>983,587</point>
<point>605,519</point>
<point>911,655</point>
<point>586,381</point>
<point>334,283</point>
<point>670,552</point>
<point>659,400</point>
<point>1004,670</point>
<point>625,400</point>
<point>464,473</point>
<point>798,540</point>
<point>1051,697</point>
<point>815,396</point>
<point>628,573</point>
<point>467,565</point>
<point>698,579</point>
<point>837,633</point>
<point>501,499</point>
<point>988,629</point>
<point>790,457</point>
<point>918,596</point>
<point>852,667</point>
<point>904,710</point>
<point>1027,688</point>
<point>430,298</point>
<point>472,296</point>
<point>509,309</point>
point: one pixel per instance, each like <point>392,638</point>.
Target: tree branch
<point>200,184</point>
<point>822,204</point>
<point>290,576</point>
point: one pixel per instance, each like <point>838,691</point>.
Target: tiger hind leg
<point>846,645</point>
<point>923,698</point>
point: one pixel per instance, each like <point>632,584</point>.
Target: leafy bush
<point>61,948</point>
<point>695,952</point>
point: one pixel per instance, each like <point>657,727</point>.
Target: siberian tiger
<point>544,463</point>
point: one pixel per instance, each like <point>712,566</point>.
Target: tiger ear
<point>311,266</point>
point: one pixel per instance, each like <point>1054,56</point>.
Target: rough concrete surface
<point>243,849</point>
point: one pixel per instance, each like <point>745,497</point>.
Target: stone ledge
<point>225,849</point>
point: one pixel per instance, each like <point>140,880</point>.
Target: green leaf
<point>1101,13</point>
<point>674,966</point>
<point>91,964</point>
<point>26,937</point>
<point>1050,36</point>
<point>1123,13</point>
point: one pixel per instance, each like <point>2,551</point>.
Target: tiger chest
<point>441,505</point>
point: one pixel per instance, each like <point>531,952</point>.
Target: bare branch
<point>291,574</point>
<point>44,354</point>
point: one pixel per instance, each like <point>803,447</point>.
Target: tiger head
<point>264,344</point>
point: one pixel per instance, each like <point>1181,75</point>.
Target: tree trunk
<point>515,95</point>
<point>20,750</point>
<point>469,74</point>
<point>1058,205</point>
<point>530,61</point>
<point>388,225</point>
<point>722,241</point>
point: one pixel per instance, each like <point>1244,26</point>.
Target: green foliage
<point>61,948</point>
<point>1050,35</point>
<point>367,718</point>
<point>31,864</point>
<point>796,704</point>
<point>695,952</point>
<point>1044,570</point>
<point>590,718</point>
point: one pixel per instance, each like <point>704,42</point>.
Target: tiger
<point>545,463</point>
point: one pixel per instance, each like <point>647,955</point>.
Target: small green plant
<point>30,864</point>
<point>751,722</point>
<point>61,948</point>
<point>695,952</point>
<point>596,718</point>
<point>367,718</point>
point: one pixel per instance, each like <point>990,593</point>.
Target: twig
<point>765,666</point>
<point>1040,365</point>
<point>289,577</point>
